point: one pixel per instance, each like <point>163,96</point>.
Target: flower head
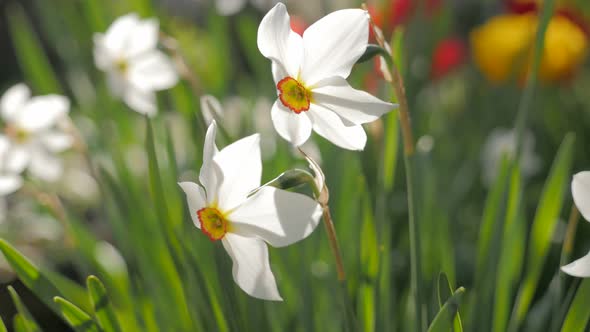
<point>310,74</point>
<point>581,193</point>
<point>503,47</point>
<point>229,206</point>
<point>33,132</point>
<point>135,68</point>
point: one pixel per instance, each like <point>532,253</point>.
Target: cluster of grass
<point>469,259</point>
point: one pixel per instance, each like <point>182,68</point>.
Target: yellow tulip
<point>502,47</point>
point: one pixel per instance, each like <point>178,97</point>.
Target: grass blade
<point>37,280</point>
<point>445,319</point>
<point>511,256</point>
<point>579,313</point>
<point>546,219</point>
<point>30,53</point>
<point>28,322</point>
<point>75,317</point>
<point>445,292</point>
<point>2,326</point>
<point>103,310</point>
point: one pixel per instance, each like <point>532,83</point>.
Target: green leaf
<point>28,321</point>
<point>390,149</point>
<point>511,256</point>
<point>291,179</point>
<point>2,326</point>
<point>369,258</point>
<point>19,323</point>
<point>103,310</point>
<point>489,248</point>
<point>43,283</point>
<point>75,317</point>
<point>30,53</point>
<point>30,275</point>
<point>444,320</point>
<point>546,218</point>
<point>445,292</point>
<point>579,313</point>
<point>373,51</point>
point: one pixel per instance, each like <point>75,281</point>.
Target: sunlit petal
<point>579,268</point>
<point>208,175</point>
<point>143,38</point>
<point>10,183</point>
<point>42,112</point>
<point>117,37</point>
<point>195,197</point>
<point>356,106</point>
<point>330,126</point>
<point>295,128</point>
<point>240,167</point>
<point>153,71</point>
<point>581,193</point>
<point>277,42</point>
<point>277,216</point>
<point>251,267</point>
<point>14,100</point>
<point>333,44</point>
<point>141,101</point>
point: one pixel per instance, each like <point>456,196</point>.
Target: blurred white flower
<point>10,178</point>
<point>502,142</point>
<point>310,75</point>
<point>225,209</point>
<point>34,134</point>
<point>135,68</point>
<point>231,7</point>
<point>581,193</point>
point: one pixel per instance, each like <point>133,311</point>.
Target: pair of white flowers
<point>34,132</point>
<point>309,71</point>
<point>310,74</point>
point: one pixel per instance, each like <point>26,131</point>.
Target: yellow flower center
<point>213,223</point>
<point>294,95</point>
<point>18,135</point>
<point>122,66</point>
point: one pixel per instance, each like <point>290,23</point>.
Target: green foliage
<point>157,272</point>
<point>75,317</point>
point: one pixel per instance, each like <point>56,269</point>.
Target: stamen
<point>213,223</point>
<point>294,95</point>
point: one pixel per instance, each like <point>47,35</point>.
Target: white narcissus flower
<point>581,193</point>
<point>310,75</point>
<point>225,208</point>
<point>34,133</point>
<point>135,68</point>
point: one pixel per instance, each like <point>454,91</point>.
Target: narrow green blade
<point>75,317</point>
<point>28,321</point>
<point>579,313</point>
<point>445,319</point>
<point>103,310</point>
<point>30,53</point>
<point>544,224</point>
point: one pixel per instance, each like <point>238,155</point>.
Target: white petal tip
<point>579,268</point>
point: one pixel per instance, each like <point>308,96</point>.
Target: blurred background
<point>464,63</point>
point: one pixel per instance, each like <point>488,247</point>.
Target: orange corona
<point>213,223</point>
<point>294,95</point>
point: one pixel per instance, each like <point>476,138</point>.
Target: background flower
<point>128,53</point>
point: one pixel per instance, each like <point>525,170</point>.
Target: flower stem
<point>394,78</point>
<point>333,239</point>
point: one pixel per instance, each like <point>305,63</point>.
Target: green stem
<point>531,83</point>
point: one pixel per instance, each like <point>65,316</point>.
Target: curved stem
<point>394,78</point>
